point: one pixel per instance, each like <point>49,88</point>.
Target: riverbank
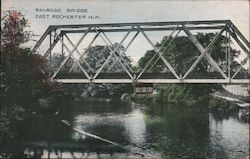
<point>239,102</point>
<point>233,105</point>
<point>216,102</point>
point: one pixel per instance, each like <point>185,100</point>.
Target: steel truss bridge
<point>58,33</point>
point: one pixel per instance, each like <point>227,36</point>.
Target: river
<point>159,130</point>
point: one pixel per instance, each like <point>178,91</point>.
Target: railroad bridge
<point>59,36</point>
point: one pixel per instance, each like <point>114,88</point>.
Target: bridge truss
<point>58,33</point>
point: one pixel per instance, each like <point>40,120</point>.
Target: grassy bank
<point>193,96</point>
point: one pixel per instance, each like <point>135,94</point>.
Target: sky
<point>111,11</point>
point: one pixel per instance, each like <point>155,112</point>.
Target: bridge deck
<point>213,77</point>
<point>208,81</point>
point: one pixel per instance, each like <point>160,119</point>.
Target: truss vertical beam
<point>226,51</point>
<point>58,37</point>
<point>50,42</point>
<point>229,56</point>
<point>62,46</point>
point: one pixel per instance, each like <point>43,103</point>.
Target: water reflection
<point>229,137</point>
<point>166,130</point>
<point>178,132</point>
<point>136,128</point>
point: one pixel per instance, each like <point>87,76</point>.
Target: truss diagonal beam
<point>107,60</point>
<point>119,53</point>
<point>201,49</point>
<point>76,61</point>
<point>41,40</point>
<point>169,44</point>
<point>79,54</point>
<point>241,66</point>
<point>87,49</point>
<point>160,55</point>
<point>149,62</point>
<point>162,45</point>
<point>70,53</point>
<point>235,29</point>
<point>205,51</point>
<point>117,58</point>
<point>239,42</point>
<point>130,42</point>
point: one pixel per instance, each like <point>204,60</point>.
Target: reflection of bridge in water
<point>86,74</point>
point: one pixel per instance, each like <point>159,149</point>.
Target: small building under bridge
<point>144,88</point>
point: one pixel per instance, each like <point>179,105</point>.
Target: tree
<point>23,80</point>
<point>96,56</point>
<point>181,54</point>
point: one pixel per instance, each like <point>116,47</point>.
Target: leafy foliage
<point>96,56</point>
<point>181,55</point>
<point>13,31</point>
<point>23,81</point>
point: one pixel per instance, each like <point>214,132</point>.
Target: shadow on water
<point>178,132</point>
<point>167,130</point>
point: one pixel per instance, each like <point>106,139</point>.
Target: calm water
<point>160,130</point>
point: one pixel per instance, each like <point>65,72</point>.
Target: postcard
<point>125,79</point>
